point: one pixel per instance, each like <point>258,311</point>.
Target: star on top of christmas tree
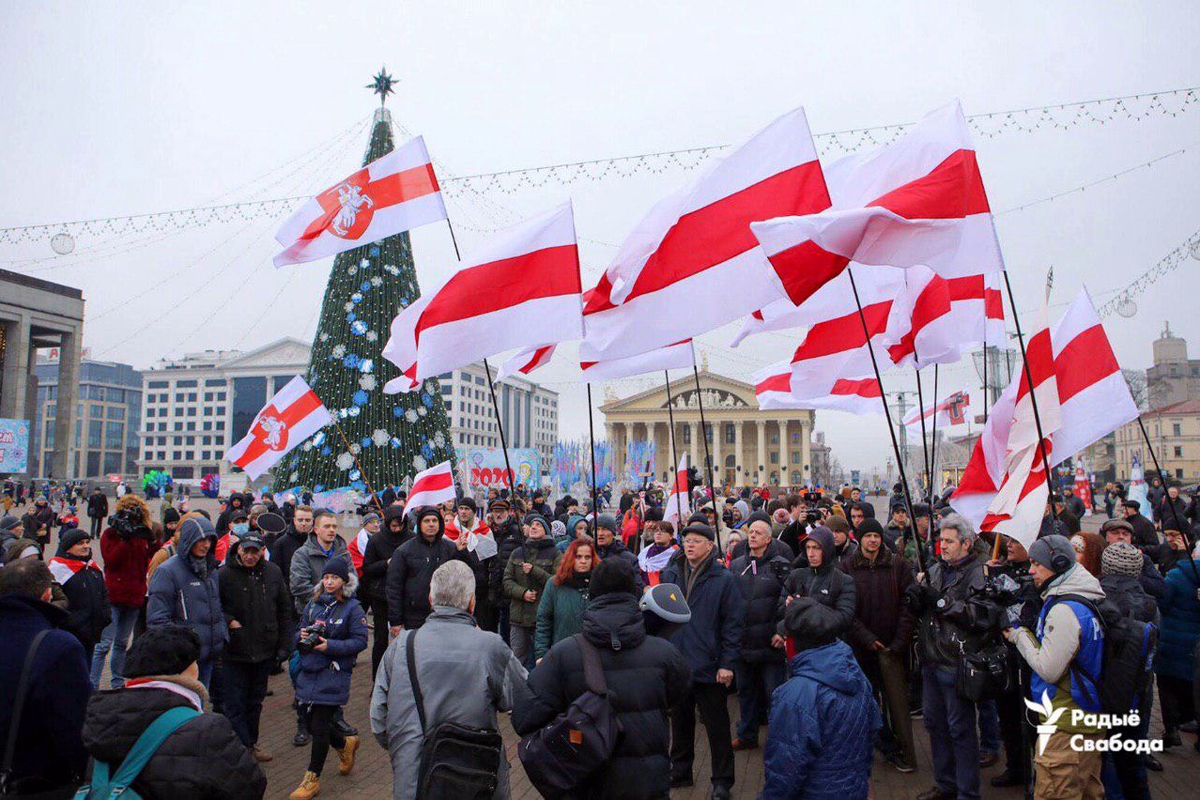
<point>382,85</point>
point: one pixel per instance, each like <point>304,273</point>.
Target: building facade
<point>108,419</point>
<point>34,314</point>
<point>528,412</point>
<point>747,445</point>
<point>1174,377</point>
<point>1174,431</point>
<point>198,406</point>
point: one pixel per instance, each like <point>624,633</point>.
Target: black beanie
<point>162,650</point>
<point>337,566</point>
<point>71,537</point>
<point>758,516</point>
<point>169,515</point>
<point>654,514</point>
<point>611,577</point>
<point>869,525</point>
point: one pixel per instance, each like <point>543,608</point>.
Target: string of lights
<point>1123,303</point>
<point>1102,111</point>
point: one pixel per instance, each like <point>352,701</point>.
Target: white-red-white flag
<point>676,356</point>
<point>692,264</point>
<point>951,411</point>
<point>918,200</point>
<point>526,361</point>
<point>935,320</point>
<point>522,288</point>
<point>678,506</point>
<point>774,390</point>
<point>394,193</point>
<point>289,418</point>
<point>432,487</point>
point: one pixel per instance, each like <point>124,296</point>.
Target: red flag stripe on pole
<point>389,190</point>
<point>305,404</point>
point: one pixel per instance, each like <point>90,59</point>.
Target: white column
<point>739,461</point>
<point>64,422</point>
<point>761,464</point>
<point>696,449</point>
<point>718,465</point>
<point>806,451</point>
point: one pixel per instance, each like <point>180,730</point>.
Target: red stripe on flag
<point>932,303</point>
<point>475,291</point>
<point>720,231</point>
<point>842,334</point>
<point>1087,359</point>
<point>952,190</point>
<point>970,287</point>
<point>1039,355</point>
<point>538,355</point>
<point>866,387</point>
<point>805,268</point>
<point>436,482</point>
<point>304,405</point>
<point>775,383</point>
<point>390,190</point>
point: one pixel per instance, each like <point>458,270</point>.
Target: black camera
<point>812,517</point>
<point>128,524</point>
<point>812,498</point>
<point>310,637</point>
<point>1000,599</point>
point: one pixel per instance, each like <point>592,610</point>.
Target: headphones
<point>1060,563</point>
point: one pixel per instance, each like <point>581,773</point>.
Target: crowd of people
<point>835,625</point>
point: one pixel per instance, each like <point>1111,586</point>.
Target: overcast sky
<point>123,108</point>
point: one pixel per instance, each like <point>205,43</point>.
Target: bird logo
<point>1049,716</point>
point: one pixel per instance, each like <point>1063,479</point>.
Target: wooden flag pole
<point>712,487</point>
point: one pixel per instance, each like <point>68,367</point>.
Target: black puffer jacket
<point>202,760</point>
<point>826,584</point>
<point>87,599</point>
<point>259,600</point>
<point>647,676</point>
<point>760,580</point>
<point>508,538</point>
<point>380,548</point>
<point>282,549</point>
<point>410,573</point>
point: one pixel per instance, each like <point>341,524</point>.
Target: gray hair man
<point>466,676</point>
<point>940,599</point>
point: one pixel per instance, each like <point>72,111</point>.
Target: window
<point>188,384</point>
<point>730,433</point>
<point>795,456</point>
<point>795,438</point>
<point>214,382</point>
<point>176,455</point>
<point>156,384</point>
<point>1175,429</point>
<point>774,457</point>
<point>208,425</point>
<point>112,462</point>
<point>114,435</point>
<point>1179,475</point>
<point>208,396</point>
<point>220,424</point>
<point>179,397</point>
<point>178,426</point>
<point>115,412</point>
<point>220,396</point>
<point>95,432</point>
<point>1179,452</point>
<point>150,412</point>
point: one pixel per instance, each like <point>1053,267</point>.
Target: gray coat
<point>308,564</point>
<point>466,675</point>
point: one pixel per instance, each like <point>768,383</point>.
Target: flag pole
<point>358,466</point>
<point>924,436</point>
<point>592,447</point>
<point>933,445</point>
<point>712,486</point>
<point>1183,530</point>
<point>887,414</point>
<point>674,451</point>
<point>1037,418</point>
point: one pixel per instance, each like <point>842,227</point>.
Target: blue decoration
<point>320,487</point>
<point>358,327</point>
<point>427,399</point>
<point>358,485</point>
<point>354,412</point>
<point>364,286</point>
<point>360,398</point>
<point>427,451</point>
<point>395,442</point>
<point>397,411</point>
<point>366,441</point>
<point>325,451</point>
<point>317,440</point>
<point>366,366</point>
<point>374,250</point>
<point>356,298</point>
<point>351,360</point>
<point>355,474</point>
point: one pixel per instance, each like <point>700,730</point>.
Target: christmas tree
<point>392,436</point>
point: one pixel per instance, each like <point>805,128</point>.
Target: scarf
<point>655,557</point>
<point>199,566</point>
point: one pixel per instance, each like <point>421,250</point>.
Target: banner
<point>572,470</point>
<point>483,467</point>
<point>14,445</point>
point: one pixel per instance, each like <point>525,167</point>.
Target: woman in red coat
<point>126,545</point>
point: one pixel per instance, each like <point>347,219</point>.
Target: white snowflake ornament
<point>345,461</point>
<point>410,415</point>
<point>380,437</point>
<point>367,383</point>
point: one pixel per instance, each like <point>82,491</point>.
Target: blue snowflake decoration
<point>358,327</point>
<point>351,317</point>
<point>355,475</point>
<point>317,440</point>
<point>374,251</point>
<point>366,441</point>
<point>367,365</point>
<point>360,398</point>
<point>351,360</point>
<point>354,412</point>
<point>364,286</point>
<point>356,298</point>
<point>325,451</point>
<point>395,442</point>
<point>427,451</point>
<point>427,399</point>
<point>358,485</point>
<point>397,411</point>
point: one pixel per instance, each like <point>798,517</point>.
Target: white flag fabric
<point>288,419</point>
<point>692,264</point>
<point>918,200</point>
<point>431,487</point>
<point>521,288</point>
<point>947,413</point>
<point>935,319</point>
<point>526,361</point>
<point>774,389</point>
<point>678,506</point>
<point>394,193</point>
<point>676,356</point>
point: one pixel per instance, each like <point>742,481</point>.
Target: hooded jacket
<point>560,612</point>
<point>826,584</point>
<point>180,593</point>
<point>380,548</point>
<point>647,676</point>
<point>712,639</point>
<point>258,598</point>
<point>308,564</point>
<point>543,555</point>
<point>82,583</point>
<point>324,677</point>
<point>411,571</point>
<point>760,581</point>
<point>821,733</point>
<point>203,759</point>
<point>466,676</point>
<point>1066,632</point>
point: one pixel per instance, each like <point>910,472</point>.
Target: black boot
<point>302,737</point>
<point>343,727</point>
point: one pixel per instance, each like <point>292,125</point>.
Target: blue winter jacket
<point>822,728</point>
<point>324,678</point>
<point>1180,624</point>
<point>712,640</point>
<point>180,595</point>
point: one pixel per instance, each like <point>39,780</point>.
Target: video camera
<point>999,600</point>
<point>128,524</point>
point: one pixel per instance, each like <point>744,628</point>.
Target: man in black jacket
<point>412,567</point>
<point>203,757</point>
<point>378,556</point>
<point>291,540</point>
<point>509,537</point>
<point>257,608</point>
<point>83,584</point>
<point>646,674</point>
<point>816,575</point>
<point>1145,537</point>
<point>97,511</point>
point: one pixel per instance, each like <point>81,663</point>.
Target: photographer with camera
<point>949,625</point>
<point>333,631</point>
<point>127,545</point>
<point>1067,648</point>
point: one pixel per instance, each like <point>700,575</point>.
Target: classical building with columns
<point>34,314</point>
<point>751,446</point>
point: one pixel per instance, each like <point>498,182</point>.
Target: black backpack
<point>561,757</point>
<point>1127,666</point>
<point>457,762</point>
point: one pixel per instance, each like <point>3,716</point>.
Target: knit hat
<point>9,523</point>
<point>758,516</point>
<point>558,530</point>
<point>469,502</point>
<point>1121,558</point>
<point>839,524</point>
<point>371,517</point>
<point>607,521</point>
<point>162,650</point>
<point>611,577</point>
<point>169,515</point>
<point>868,525</point>
<point>531,518</point>
<point>1048,549</point>
<point>336,566</point>
<point>700,528</point>
<point>71,537</point>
